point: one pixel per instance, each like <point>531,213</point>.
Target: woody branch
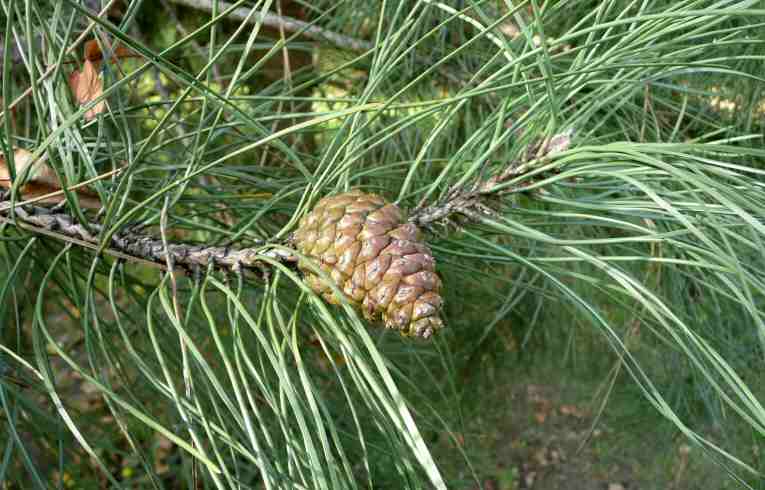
<point>147,249</point>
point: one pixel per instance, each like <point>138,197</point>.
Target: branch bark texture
<point>138,246</point>
<point>289,24</point>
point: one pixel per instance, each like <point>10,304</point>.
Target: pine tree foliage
<point>646,229</point>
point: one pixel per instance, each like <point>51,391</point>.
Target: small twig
<point>138,247</point>
<point>470,202</point>
<point>76,241</point>
<point>284,22</point>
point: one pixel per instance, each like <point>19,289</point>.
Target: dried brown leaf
<point>41,181</point>
<point>94,54</point>
<point>21,160</point>
<point>86,86</point>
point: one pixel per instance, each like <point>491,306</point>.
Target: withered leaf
<point>41,181</point>
<point>94,54</point>
<point>21,160</point>
<point>86,86</point>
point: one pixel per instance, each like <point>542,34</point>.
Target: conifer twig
<point>470,201</point>
<point>139,247</point>
<point>143,248</point>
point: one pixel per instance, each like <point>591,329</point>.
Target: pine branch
<point>146,249</point>
<point>471,202</point>
<point>138,247</point>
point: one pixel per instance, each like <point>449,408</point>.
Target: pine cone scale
<point>372,247</point>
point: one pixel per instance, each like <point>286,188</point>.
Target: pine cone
<point>375,258</point>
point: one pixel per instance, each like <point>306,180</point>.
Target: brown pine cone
<point>375,258</point>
